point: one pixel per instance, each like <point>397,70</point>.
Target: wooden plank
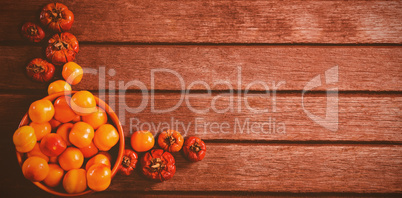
<point>216,21</point>
<point>359,68</point>
<point>265,168</point>
<point>361,118</point>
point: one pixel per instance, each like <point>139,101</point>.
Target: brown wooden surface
<point>272,41</point>
<point>360,68</point>
<point>221,21</point>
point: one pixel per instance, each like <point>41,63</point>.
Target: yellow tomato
<point>35,169</point>
<point>75,181</point>
<point>83,103</point>
<point>142,141</point>
<point>99,177</point>
<point>58,86</point>
<point>24,139</point>
<point>96,119</point>
<point>41,129</point>
<point>38,153</point>
<point>71,158</point>
<point>55,175</point>
<point>81,134</point>
<point>98,159</point>
<point>72,73</point>
<point>41,111</point>
<point>106,137</point>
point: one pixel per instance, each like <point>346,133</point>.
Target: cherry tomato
<point>52,145</point>
<point>35,169</point>
<point>32,32</point>
<point>64,132</point>
<point>41,129</point>
<point>40,70</point>
<point>58,86</point>
<point>55,175</point>
<point>72,73</point>
<point>75,181</point>
<point>62,48</point>
<point>38,153</point>
<point>63,111</point>
<point>99,177</point>
<point>194,149</point>
<point>98,159</point>
<point>57,17</point>
<point>142,141</point>
<point>83,103</point>
<point>89,151</point>
<point>71,158</point>
<point>96,119</point>
<point>170,140</point>
<point>129,162</point>
<point>106,137</point>
<point>41,111</point>
<point>54,123</point>
<point>81,134</point>
<point>24,139</point>
<point>158,164</point>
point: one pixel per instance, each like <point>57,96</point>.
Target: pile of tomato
<point>67,140</point>
<point>67,144</point>
<point>159,164</point>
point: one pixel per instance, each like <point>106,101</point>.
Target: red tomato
<point>62,48</point>
<point>158,164</point>
<point>40,70</point>
<point>57,17</point>
<point>129,162</point>
<point>32,32</point>
<point>194,149</point>
<point>52,145</point>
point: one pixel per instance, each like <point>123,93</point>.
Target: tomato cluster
<point>57,142</point>
<point>61,47</point>
<point>159,164</point>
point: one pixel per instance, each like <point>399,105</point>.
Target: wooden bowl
<point>112,116</point>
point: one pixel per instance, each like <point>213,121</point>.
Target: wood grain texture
<point>216,21</point>
<point>360,68</point>
<point>361,118</point>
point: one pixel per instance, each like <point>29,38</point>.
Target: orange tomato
<point>107,154</point>
<point>83,103</point>
<point>24,139</point>
<point>64,132</point>
<point>81,134</point>
<point>41,111</point>
<point>55,175</point>
<point>58,86</point>
<point>38,153</point>
<point>71,158</point>
<point>54,123</point>
<point>106,137</point>
<point>99,177</point>
<point>75,181</point>
<point>89,151</point>
<point>76,119</point>
<point>72,73</point>
<point>98,159</point>
<point>41,129</point>
<point>142,141</point>
<point>52,145</point>
<point>63,112</point>
<point>96,119</point>
<point>35,169</point>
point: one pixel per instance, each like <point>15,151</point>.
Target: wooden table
<point>219,41</point>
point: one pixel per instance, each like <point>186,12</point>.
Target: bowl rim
<point>25,120</point>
